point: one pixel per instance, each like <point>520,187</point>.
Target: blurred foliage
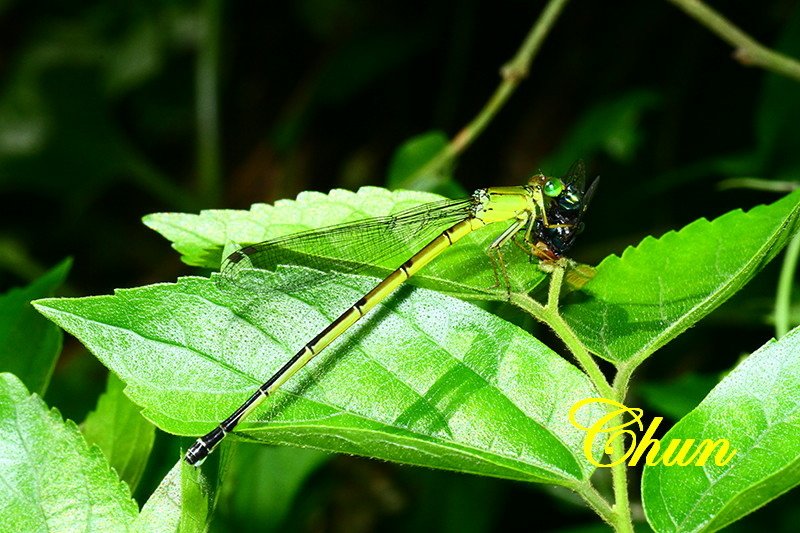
<point>117,427</point>
<point>30,346</point>
<point>98,126</point>
<point>676,398</point>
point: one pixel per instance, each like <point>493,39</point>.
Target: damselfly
<point>545,215</point>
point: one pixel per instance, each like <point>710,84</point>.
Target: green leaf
<point>407,169</point>
<point>201,238</point>
<point>757,409</point>
<point>264,481</point>
<point>424,379</point>
<point>165,510</point>
<point>162,511</point>
<point>412,155</point>
<point>637,303</point>
<point>123,434</point>
<point>30,345</point>
<point>184,501</point>
<point>52,479</point>
<point>464,270</point>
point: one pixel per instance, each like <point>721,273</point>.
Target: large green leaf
<point>638,302</point>
<point>464,270</point>
<point>52,479</point>
<point>757,409</point>
<point>29,345</point>
<point>425,379</point>
<point>123,434</point>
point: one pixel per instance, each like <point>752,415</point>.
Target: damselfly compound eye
<point>553,187</point>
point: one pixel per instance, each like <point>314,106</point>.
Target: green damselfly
<point>547,213</point>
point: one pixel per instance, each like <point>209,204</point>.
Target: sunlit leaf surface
<point>424,379</point>
<point>53,480</point>
<point>757,409</point>
<point>638,302</point>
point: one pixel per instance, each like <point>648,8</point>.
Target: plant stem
<point>597,503</point>
<point>619,472</point>
<point>619,516</point>
<point>747,51</point>
<point>512,73</point>
<point>758,184</point>
<point>565,332</point>
<point>207,87</point>
<point>549,315</point>
<point>783,300</point>
<point>554,291</point>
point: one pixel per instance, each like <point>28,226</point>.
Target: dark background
<point>99,126</point>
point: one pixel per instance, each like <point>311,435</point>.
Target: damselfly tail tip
<point>197,453</point>
<point>203,446</point>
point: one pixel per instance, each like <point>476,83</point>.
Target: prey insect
<point>547,213</point>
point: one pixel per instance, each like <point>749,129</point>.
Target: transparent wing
<point>587,196</point>
<point>576,175</point>
<point>379,242</point>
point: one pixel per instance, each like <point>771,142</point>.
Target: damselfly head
<point>565,211</point>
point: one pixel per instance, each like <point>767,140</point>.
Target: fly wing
<point>378,243</point>
<point>587,196</point>
<point>576,175</point>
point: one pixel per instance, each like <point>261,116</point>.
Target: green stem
<point>207,87</point>
<point>565,332</point>
<point>554,291</point>
<point>783,300</point>
<point>619,472</point>
<point>549,315</point>
<point>748,51</point>
<point>513,73</point>
<point>597,503</point>
<point>619,516</point>
<point>758,184</point>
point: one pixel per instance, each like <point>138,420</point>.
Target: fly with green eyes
<point>566,201</point>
